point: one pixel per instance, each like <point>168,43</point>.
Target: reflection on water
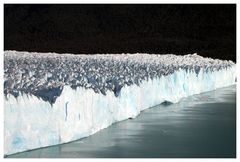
<point>198,126</point>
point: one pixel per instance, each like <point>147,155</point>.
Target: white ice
<point>30,122</point>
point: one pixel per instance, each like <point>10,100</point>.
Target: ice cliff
<point>51,99</point>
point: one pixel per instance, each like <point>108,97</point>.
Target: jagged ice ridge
<point>44,75</point>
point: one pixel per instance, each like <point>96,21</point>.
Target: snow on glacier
<point>52,99</point>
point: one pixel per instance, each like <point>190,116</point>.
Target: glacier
<point>51,98</point>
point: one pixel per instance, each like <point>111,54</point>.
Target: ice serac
<point>52,99</point>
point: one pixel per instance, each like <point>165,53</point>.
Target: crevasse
<point>31,123</point>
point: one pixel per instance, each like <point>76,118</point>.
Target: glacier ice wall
<point>31,121</point>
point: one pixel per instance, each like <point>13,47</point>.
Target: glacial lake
<point>202,125</point>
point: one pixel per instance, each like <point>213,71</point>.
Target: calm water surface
<point>198,126</point>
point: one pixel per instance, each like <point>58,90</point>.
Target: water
<point>198,126</point>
